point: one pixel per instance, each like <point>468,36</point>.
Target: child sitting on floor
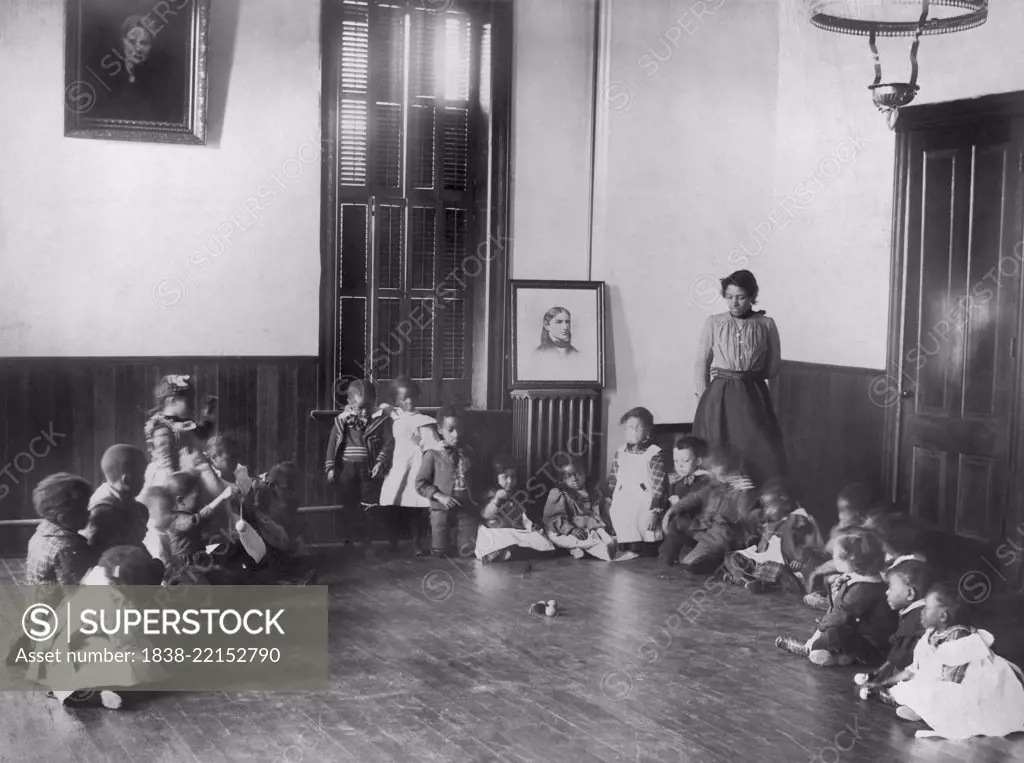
<point>116,518</point>
<point>689,476</point>
<point>57,553</point>
<point>957,685</point>
<point>716,518</point>
<point>505,523</point>
<point>903,534</point>
<point>852,504</point>
<point>357,457</point>
<point>859,622</point>
<point>173,436</point>
<point>269,530</point>
<point>637,484</point>
<point>189,520</point>
<point>161,513</point>
<point>74,683</point>
<point>572,516</point>
<point>786,535</point>
<point>443,479</point>
<point>909,580</point>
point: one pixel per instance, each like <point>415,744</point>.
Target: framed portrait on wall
<point>136,70</point>
<point>557,334</point>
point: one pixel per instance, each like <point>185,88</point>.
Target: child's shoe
<point>817,601</point>
<point>74,698</point>
<point>791,645</point>
<point>862,678</point>
<point>826,659</point>
<point>502,555</point>
<point>111,700</point>
<point>577,553</point>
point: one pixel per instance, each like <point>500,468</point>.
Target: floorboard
<point>435,660</point>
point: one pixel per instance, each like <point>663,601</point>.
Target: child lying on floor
<point>786,535</point>
<point>957,685</point>
<point>859,622</point>
<point>505,523</point>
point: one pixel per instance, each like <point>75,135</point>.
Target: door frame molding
<point>952,113</point>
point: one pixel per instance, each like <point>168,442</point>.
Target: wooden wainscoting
<point>61,414</point>
<point>88,404</point>
<point>833,429</point>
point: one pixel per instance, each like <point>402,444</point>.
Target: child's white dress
<point>491,539</point>
<point>630,512</point>
<point>988,700</point>
<point>412,437</point>
<point>79,676</point>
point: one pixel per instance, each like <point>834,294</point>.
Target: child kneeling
<point>788,531</point>
<point>572,515</point>
<point>713,520</point>
<point>506,525</point>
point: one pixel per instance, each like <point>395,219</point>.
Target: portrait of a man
<point>569,316</point>
<point>131,66</point>
<point>556,334</point>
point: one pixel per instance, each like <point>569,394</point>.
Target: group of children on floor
<point>883,607</point>
<point>185,513</point>
<point>189,513</point>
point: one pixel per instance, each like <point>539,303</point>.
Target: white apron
<point>491,539</point>
<point>598,543</point>
<point>631,503</point>
<point>399,487</point>
<point>771,554</point>
<point>988,702</point>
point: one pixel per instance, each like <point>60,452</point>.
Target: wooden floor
<point>440,661</point>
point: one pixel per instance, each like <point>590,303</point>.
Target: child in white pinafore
<point>638,484</point>
<point>412,433</point>
<point>957,685</point>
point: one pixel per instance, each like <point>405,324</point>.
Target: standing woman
<point>738,351</point>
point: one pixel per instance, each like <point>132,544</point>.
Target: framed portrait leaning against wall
<point>557,334</point>
<point>136,70</point>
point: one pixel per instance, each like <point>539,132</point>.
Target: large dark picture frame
<point>136,70</point>
<point>557,334</point>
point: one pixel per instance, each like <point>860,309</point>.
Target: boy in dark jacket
<point>909,579</point>
<point>443,479</point>
<point>356,457</point>
<point>716,518</point>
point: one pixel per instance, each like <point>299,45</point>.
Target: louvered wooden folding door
<point>408,175</point>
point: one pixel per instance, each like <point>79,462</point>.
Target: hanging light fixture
<point>896,18</point>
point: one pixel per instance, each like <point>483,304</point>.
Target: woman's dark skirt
<point>736,410</point>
